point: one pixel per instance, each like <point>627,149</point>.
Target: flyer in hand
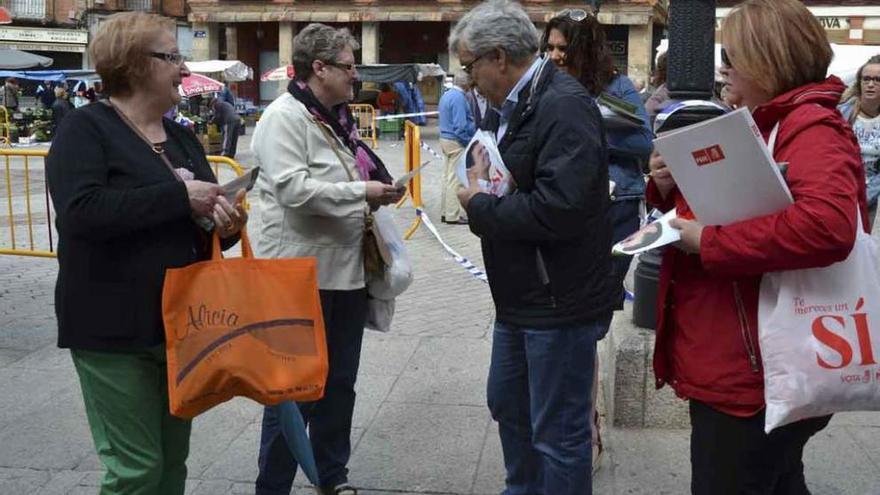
<point>655,234</point>
<point>483,151</point>
<point>245,182</point>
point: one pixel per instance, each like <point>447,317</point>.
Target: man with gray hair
<point>546,247</point>
<point>456,130</point>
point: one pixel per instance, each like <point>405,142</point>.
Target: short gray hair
<point>461,79</point>
<point>319,42</point>
<point>500,24</point>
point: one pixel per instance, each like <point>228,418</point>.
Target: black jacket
<point>547,245</point>
<point>122,219</point>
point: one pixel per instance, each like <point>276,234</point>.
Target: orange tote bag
<point>243,327</point>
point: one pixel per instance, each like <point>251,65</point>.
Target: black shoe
<point>460,221</point>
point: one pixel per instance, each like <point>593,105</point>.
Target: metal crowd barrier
<point>26,227</point>
<point>412,147</point>
<point>365,117</point>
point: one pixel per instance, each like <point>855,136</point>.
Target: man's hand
<point>691,234</point>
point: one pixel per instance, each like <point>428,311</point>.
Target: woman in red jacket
<point>776,57</point>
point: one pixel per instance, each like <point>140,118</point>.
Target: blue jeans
<point>328,419</point>
<point>539,389</point>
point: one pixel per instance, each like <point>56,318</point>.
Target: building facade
<point>260,33</point>
<point>846,22</point>
<point>61,29</point>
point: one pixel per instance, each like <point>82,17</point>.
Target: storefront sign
<point>200,34</point>
<point>44,35</point>
<point>828,23</point>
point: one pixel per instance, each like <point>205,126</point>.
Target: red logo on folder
<point>708,155</point>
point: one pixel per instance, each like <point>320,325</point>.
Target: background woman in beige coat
<point>318,182</point>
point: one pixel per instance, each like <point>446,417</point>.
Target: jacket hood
<point>826,94</point>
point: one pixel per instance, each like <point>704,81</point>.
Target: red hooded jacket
<point>707,328</point>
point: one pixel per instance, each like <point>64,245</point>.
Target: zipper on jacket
<point>744,328</point>
<point>545,277</point>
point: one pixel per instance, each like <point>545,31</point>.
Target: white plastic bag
<point>398,275</point>
<point>379,314</point>
<point>819,332</point>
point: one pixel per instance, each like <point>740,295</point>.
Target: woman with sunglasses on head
<point>775,57</point>
<point>575,41</point>
<point>134,196</point>
<point>861,108</point>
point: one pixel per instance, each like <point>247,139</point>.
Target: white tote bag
<point>819,332</point>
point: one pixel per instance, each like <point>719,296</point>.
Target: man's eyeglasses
<point>470,66</point>
<point>577,15</point>
<point>171,58</point>
<point>868,79</point>
<point>341,65</point>
<point>725,61</point>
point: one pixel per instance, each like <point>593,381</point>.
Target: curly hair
<point>586,55</point>
<point>319,42</point>
<point>855,91</point>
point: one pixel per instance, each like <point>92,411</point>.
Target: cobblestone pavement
<point>421,424</point>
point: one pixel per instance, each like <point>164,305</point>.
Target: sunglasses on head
<point>577,15</point>
<point>724,59</point>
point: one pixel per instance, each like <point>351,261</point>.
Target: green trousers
<point>142,446</point>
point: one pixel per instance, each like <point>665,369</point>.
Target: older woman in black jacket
<point>135,196</point>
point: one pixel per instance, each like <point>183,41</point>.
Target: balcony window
<point>27,9</point>
<point>145,5</point>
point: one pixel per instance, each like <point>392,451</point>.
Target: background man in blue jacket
<point>456,130</point>
<point>546,247</point>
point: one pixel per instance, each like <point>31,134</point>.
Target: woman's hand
<point>228,219</point>
<point>202,196</point>
<point>691,234</point>
<point>380,194</point>
<point>660,174</point>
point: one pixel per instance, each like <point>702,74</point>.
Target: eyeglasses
<point>724,59</point>
<point>577,15</point>
<point>171,58</point>
<point>470,66</point>
<point>341,65</point>
<point>868,79</point>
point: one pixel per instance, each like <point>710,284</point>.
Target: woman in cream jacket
<point>317,184</point>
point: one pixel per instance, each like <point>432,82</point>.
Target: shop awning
<point>17,59</point>
<point>398,72</point>
<point>229,70</point>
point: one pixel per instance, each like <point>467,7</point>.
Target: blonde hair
<point>777,44</point>
<point>120,49</point>
<point>854,92</point>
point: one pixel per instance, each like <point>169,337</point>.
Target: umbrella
<point>197,84</point>
<point>294,429</point>
<point>17,59</point>
<point>282,73</point>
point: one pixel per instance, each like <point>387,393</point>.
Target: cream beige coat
<point>308,204</point>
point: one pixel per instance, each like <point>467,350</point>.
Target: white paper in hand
<point>655,234</point>
<point>483,150</point>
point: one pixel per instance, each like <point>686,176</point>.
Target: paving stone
<point>28,391</point>
<point>417,447</point>
<point>48,358</point>
<point>445,371</point>
<point>17,480</point>
<point>10,356</point>
<point>386,354</point>
<point>490,472</point>
<point>372,390</point>
<point>215,431</point>
<point>838,461</point>
<point>51,438</point>
<point>61,483</point>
